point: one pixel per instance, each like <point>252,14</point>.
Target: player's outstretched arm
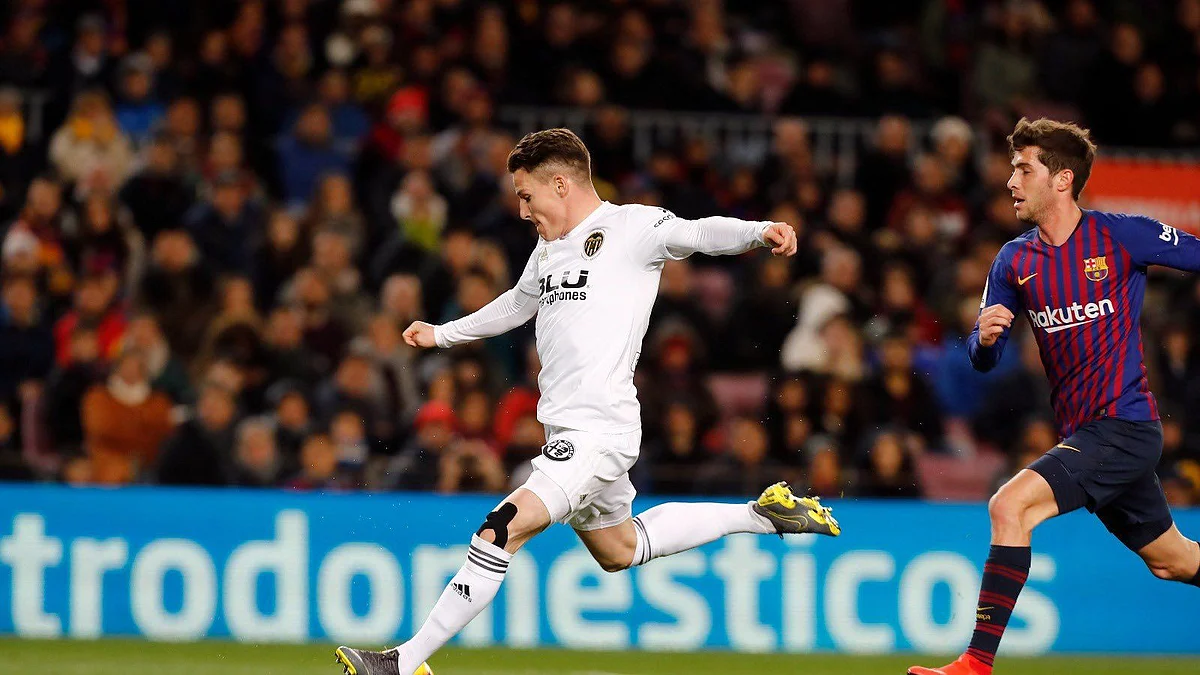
<point>513,308</point>
<point>720,235</point>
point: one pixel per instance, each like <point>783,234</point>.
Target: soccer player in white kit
<point>591,281</point>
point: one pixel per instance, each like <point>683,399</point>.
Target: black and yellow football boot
<point>364,662</point>
<point>794,515</point>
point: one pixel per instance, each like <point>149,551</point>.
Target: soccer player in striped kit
<point>1079,277</point>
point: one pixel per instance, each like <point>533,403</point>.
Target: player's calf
<point>1175,570</point>
<point>1173,557</point>
<point>615,564</point>
<point>620,551</point>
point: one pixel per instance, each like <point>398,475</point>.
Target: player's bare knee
<point>1011,517</point>
<point>495,528</point>
<point>1004,511</point>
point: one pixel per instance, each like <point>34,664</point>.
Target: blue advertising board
<point>176,564</point>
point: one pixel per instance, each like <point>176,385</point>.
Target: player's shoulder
<point>642,215</point>
<point>1131,232</point>
<point>1115,220</point>
<point>1007,256</point>
<point>636,226</point>
<point>1012,246</point>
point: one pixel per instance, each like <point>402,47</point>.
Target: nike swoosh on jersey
<point>1021,282</point>
<point>1055,329</point>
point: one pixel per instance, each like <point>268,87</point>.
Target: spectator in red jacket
<point>95,307</point>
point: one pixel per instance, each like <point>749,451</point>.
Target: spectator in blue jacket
<point>138,112</point>
<point>348,121</point>
<point>308,153</point>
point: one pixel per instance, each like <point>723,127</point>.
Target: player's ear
<point>1063,180</point>
<point>561,186</point>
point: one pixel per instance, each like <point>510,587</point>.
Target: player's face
<point>1030,185</point>
<point>542,200</point>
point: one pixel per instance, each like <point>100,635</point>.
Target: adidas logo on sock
<point>463,590</point>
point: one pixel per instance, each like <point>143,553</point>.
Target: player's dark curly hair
<point>1061,145</point>
<point>557,148</point>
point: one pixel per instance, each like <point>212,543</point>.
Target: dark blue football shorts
<point>1107,466</point>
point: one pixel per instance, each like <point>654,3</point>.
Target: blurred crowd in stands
<point>233,209</point>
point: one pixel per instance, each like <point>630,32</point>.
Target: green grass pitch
<point>128,657</point>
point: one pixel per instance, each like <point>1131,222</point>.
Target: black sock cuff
<point>1013,556</point>
<point>639,529</point>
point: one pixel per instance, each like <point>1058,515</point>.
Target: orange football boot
<point>965,665</point>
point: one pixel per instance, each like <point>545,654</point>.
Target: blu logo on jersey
<point>546,283</point>
<point>565,290</point>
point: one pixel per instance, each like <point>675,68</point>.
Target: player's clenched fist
<point>781,237</point>
<point>992,322</point>
<point>420,334</point>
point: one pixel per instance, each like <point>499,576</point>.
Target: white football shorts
<point>583,477</point>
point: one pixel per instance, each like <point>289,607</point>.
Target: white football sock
<point>670,528</point>
<point>472,588</point>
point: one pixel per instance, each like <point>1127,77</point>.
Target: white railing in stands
<point>736,138</point>
<point>836,142</point>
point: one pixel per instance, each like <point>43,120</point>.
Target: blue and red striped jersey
<point>1083,300</point>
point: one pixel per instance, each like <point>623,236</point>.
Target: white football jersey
<point>593,290</point>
